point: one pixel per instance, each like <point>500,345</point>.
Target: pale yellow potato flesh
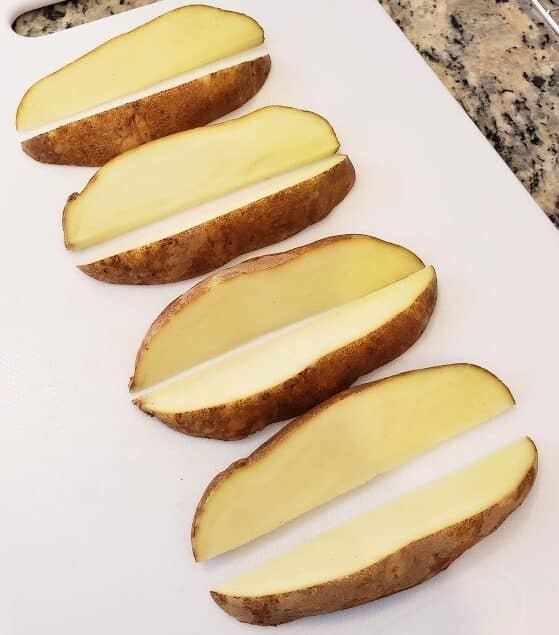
<point>294,286</point>
<point>387,529</point>
<point>223,206</point>
<point>275,358</point>
<point>345,442</point>
<point>189,168</point>
<point>171,44</point>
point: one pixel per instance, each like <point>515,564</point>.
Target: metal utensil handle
<point>550,11</point>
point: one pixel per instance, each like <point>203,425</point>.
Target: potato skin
<point>94,140</point>
<point>291,428</point>
<point>330,374</point>
<point>207,246</point>
<point>401,570</point>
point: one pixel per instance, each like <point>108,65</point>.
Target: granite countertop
<point>498,58</point>
<point>64,15</point>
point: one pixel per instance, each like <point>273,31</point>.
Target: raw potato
<point>189,168</point>
<point>291,371</point>
<point>263,294</point>
<point>345,442</point>
<point>310,194</point>
<point>389,549</point>
<point>173,43</point>
<point>94,140</point>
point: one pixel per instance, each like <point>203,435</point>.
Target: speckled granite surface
<point>64,15</point>
<point>501,61</point>
<point>498,58</point>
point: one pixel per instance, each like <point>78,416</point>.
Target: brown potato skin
<point>286,431</point>
<point>401,570</point>
<point>94,140</point>
<point>207,246</point>
<point>330,374</point>
<point>252,265</point>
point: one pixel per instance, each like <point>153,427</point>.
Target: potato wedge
<point>389,549</point>
<point>290,371</point>
<point>346,441</point>
<point>94,140</point>
<point>173,43</point>
<point>263,294</point>
<point>189,168</point>
<point>306,196</point>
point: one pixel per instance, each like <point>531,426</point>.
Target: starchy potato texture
<point>279,208</point>
<point>389,549</point>
<point>94,140</point>
<point>264,294</point>
<point>189,168</point>
<point>173,43</point>
<point>346,441</point>
<point>292,370</point>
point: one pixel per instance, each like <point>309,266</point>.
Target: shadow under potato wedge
<point>174,43</point>
<point>295,369</point>
<point>339,445</point>
<point>391,548</point>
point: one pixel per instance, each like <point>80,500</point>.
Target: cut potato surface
<point>221,230</point>
<point>171,44</point>
<point>98,138</point>
<point>290,371</point>
<point>388,549</point>
<point>189,168</point>
<point>346,441</point>
<point>264,294</point>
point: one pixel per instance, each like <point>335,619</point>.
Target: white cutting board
<point>96,499</point>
